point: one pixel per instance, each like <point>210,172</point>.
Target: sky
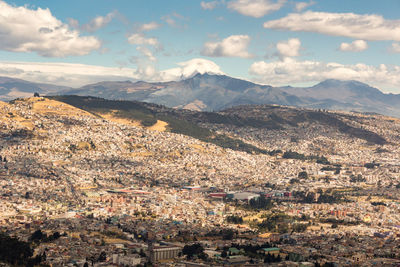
<point>274,42</point>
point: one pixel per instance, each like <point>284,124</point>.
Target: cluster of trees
<point>323,197</point>
<point>295,155</point>
<point>18,253</point>
<point>249,250</point>
<point>299,227</point>
<point>302,175</point>
<point>371,165</point>
<point>357,179</point>
<point>269,185</point>
<point>260,203</point>
<point>253,251</point>
<point>304,197</point>
<point>194,250</point>
<point>38,236</point>
<point>225,234</point>
<point>234,219</point>
<point>281,223</point>
<point>336,168</point>
<point>102,257</point>
<point>21,133</point>
<point>114,234</point>
<point>378,203</point>
<point>272,258</point>
<point>320,159</point>
<point>330,198</point>
<point>294,181</point>
<point>275,152</point>
<point>338,222</point>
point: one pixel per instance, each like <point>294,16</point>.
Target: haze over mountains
<point>209,92</point>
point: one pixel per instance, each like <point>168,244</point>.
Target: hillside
<point>150,115</point>
<point>229,127</point>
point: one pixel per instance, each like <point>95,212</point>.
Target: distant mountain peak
<point>336,82</point>
<point>350,85</point>
<point>201,74</point>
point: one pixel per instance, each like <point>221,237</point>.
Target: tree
<point>191,250</point>
<point>303,175</point>
<point>228,234</point>
<point>102,256</point>
<point>56,235</point>
<point>371,165</point>
<point>260,203</point>
<point>283,228</point>
<point>294,181</point>
<point>357,179</point>
<point>37,236</point>
<point>224,254</point>
<point>16,252</point>
<point>234,219</point>
<point>36,94</point>
<point>299,227</point>
<point>268,258</point>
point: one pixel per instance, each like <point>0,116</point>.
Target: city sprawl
<point>97,189</point>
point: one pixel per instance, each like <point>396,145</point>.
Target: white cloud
<point>255,8</point>
<point>290,71</point>
<point>145,72</point>
<point>26,30</point>
<point>175,20</point>
<point>76,75</point>
<point>146,46</point>
<point>232,46</point>
<point>141,39</point>
<point>170,21</point>
<point>302,5</point>
<point>189,68</point>
<point>149,26</point>
<point>73,23</point>
<point>355,46</point>
<point>395,48</point>
<point>98,22</point>
<point>290,48</point>
<point>66,74</point>
<point>209,5</point>
<point>146,52</point>
<point>365,27</point>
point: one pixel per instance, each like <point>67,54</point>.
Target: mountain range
<point>209,92</point>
